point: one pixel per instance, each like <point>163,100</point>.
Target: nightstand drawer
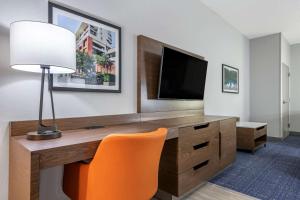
<point>260,131</point>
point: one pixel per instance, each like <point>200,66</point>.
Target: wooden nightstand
<point>251,135</point>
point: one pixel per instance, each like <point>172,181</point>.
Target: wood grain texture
<point>197,165</point>
<point>27,157</point>
<point>183,165</point>
<point>245,138</point>
<point>149,53</point>
<point>196,120</point>
<point>19,178</point>
<point>191,153</point>
<point>227,142</point>
<point>35,177</point>
<point>260,131</point>
<point>170,114</point>
<point>23,173</point>
<point>251,138</point>
<point>191,178</point>
<point>168,167</point>
<point>23,127</point>
<point>81,144</point>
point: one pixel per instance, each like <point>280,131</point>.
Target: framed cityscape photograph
<point>230,79</point>
<point>98,52</point>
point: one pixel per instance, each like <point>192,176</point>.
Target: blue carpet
<point>271,173</point>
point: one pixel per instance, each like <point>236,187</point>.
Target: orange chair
<point>125,167</point>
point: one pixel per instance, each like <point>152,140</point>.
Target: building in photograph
<point>96,41</point>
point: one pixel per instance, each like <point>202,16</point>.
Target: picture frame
<point>230,79</point>
<point>98,52</point>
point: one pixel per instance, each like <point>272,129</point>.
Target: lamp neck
<point>43,128</point>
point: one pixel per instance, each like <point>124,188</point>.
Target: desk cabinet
<point>197,144</point>
<point>199,152</point>
<point>227,142</point>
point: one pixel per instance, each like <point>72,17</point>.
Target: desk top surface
<point>79,136</point>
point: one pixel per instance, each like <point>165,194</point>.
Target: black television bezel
<point>160,74</point>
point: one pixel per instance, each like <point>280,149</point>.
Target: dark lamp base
<point>45,135</point>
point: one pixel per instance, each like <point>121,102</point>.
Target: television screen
<point>182,76</point>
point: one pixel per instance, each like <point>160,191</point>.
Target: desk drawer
<point>193,137</point>
<point>198,174</point>
<point>191,153</point>
<point>197,144</point>
<point>199,133</point>
<point>260,131</point>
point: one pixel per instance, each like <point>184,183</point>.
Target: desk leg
<point>24,173</point>
<point>35,178</point>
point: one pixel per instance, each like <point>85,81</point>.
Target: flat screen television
<point>182,76</point>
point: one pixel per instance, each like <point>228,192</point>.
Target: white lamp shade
<point>33,44</point>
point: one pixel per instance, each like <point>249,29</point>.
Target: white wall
<point>295,89</point>
<point>187,25</point>
<point>265,62</point>
<point>267,54</point>
<point>285,51</point>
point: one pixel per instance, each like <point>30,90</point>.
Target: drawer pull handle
<point>201,126</point>
<point>199,146</point>
<point>259,128</point>
<point>200,165</point>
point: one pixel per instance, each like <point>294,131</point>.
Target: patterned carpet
<point>272,173</point>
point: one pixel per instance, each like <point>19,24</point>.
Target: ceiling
<point>255,18</point>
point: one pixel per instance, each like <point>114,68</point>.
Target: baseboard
<point>294,133</point>
<point>274,139</point>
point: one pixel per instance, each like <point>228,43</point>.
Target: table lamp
<point>42,48</point>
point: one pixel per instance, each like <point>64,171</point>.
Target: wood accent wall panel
<point>23,127</point>
<point>149,53</point>
<point>170,114</point>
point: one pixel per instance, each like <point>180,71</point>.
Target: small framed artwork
<point>230,79</point>
<point>98,52</point>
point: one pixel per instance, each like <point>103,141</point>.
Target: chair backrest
<point>125,167</point>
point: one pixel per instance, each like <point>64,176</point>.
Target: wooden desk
<point>27,158</point>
